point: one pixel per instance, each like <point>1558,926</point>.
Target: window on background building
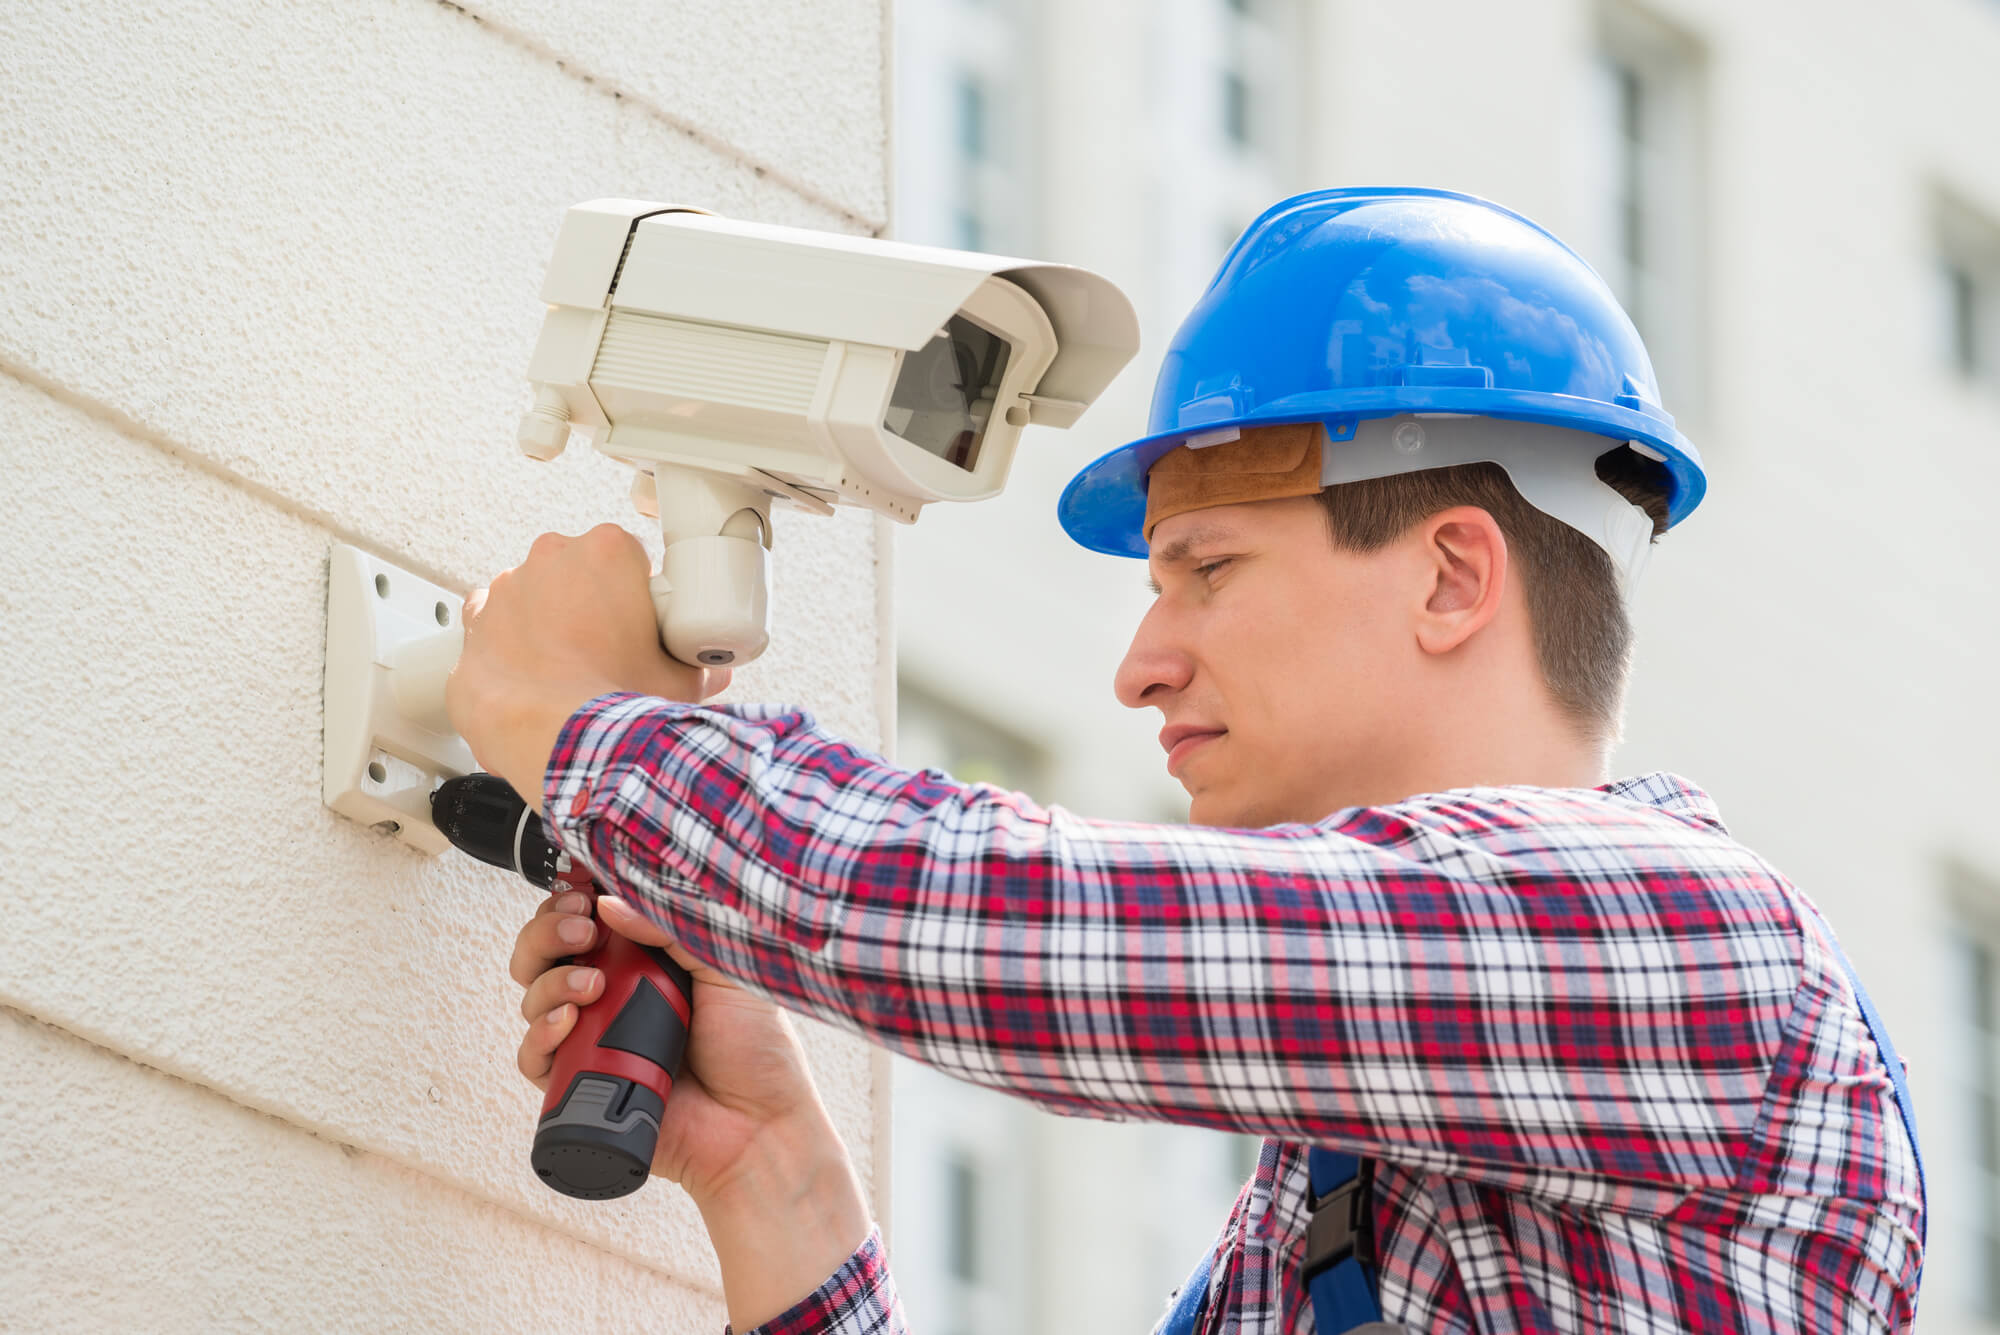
<point>1967,319</point>
<point>1243,1152</point>
<point>965,109</point>
<point>1648,191</point>
<point>962,1210</point>
<point>1233,146</point>
<point>1634,192</point>
<point>967,1275</point>
<point>1962,321</point>
<point>1236,108</point>
<point>934,732</point>
<point>969,1309</point>
<point>962,1218</point>
<point>1975,958</point>
<point>1227,237</point>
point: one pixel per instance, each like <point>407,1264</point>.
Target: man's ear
<point>1466,559</point>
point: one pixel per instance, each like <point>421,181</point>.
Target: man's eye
<point>1205,570</point>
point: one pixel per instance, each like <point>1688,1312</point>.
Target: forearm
<point>790,1217</point>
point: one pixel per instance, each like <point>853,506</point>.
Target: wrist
<point>787,1217</point>
<point>529,735</point>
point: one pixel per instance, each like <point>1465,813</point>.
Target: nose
<point>1155,667</point>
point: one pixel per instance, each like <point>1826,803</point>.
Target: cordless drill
<point>601,1118</point>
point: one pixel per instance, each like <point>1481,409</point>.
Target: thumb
<point>622,918</point>
<point>629,922</point>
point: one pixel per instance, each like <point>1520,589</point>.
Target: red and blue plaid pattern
<point>1611,1076</point>
<point>859,1299</point>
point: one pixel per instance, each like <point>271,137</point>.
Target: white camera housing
<point>737,363</point>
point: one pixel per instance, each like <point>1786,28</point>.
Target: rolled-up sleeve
<point>857,1299</point>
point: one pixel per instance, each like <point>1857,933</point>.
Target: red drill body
<point>608,1090</point>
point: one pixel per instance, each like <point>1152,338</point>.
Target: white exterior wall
<point>268,281</point>
<point>1816,645</point>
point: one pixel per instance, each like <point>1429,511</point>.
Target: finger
<point>714,681</point>
<point>676,680</point>
<point>546,546</point>
<point>549,937</point>
<point>695,967</point>
<point>677,952</point>
<point>629,922</point>
<point>565,901</point>
<point>612,542</point>
<point>537,1056</point>
<point>473,604</point>
<point>563,984</point>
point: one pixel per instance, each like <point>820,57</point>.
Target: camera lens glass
<point>944,395</point>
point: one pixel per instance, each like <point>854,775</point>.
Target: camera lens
<point>944,394</point>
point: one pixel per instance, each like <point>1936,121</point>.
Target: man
<point>1531,1050</point>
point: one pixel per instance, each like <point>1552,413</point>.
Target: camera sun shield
<point>848,369</point>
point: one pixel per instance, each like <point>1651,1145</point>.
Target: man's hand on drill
<point>745,1133</point>
<point>572,622</point>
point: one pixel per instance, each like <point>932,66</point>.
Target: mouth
<point>1180,742</point>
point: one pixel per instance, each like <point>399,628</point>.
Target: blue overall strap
<point>1880,1033</point>
<point>1342,1288</point>
<point>1186,1311</point>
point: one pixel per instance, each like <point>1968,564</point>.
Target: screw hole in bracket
<point>381,586</point>
<point>443,613</point>
<point>377,771</point>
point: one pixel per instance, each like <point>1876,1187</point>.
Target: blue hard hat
<point>1342,305</point>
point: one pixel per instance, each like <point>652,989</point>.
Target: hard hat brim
<point>1104,506</point>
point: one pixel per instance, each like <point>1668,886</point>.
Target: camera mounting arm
<point>711,594</point>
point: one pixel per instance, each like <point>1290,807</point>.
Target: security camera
<point>736,364</point>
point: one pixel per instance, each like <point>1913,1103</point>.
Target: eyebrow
<point>1175,552</point>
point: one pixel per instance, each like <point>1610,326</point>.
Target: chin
<point>1235,810</point>
<point>1224,812</point>
<point>1242,794</point>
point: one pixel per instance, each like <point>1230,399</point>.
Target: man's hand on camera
<point>745,1133</point>
<point>572,622</point>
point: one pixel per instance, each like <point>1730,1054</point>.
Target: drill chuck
<point>483,816</point>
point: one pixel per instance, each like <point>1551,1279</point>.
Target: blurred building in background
<point>1800,206</point>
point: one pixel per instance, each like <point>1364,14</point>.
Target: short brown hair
<point>1583,637</point>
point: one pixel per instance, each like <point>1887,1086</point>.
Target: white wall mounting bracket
<point>391,639</point>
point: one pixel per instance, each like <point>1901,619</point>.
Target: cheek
<point>1329,661</point>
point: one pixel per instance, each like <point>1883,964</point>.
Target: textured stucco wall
<point>267,282</point>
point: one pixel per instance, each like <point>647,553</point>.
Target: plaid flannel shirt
<point>1610,1074</point>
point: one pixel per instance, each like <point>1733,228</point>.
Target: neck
<point>1495,732</point>
<point>1484,716</point>
<point>1552,767</point>
<point>1495,750</point>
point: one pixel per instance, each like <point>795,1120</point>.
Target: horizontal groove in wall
<point>777,175</point>
<point>692,1283</point>
<point>133,429</point>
